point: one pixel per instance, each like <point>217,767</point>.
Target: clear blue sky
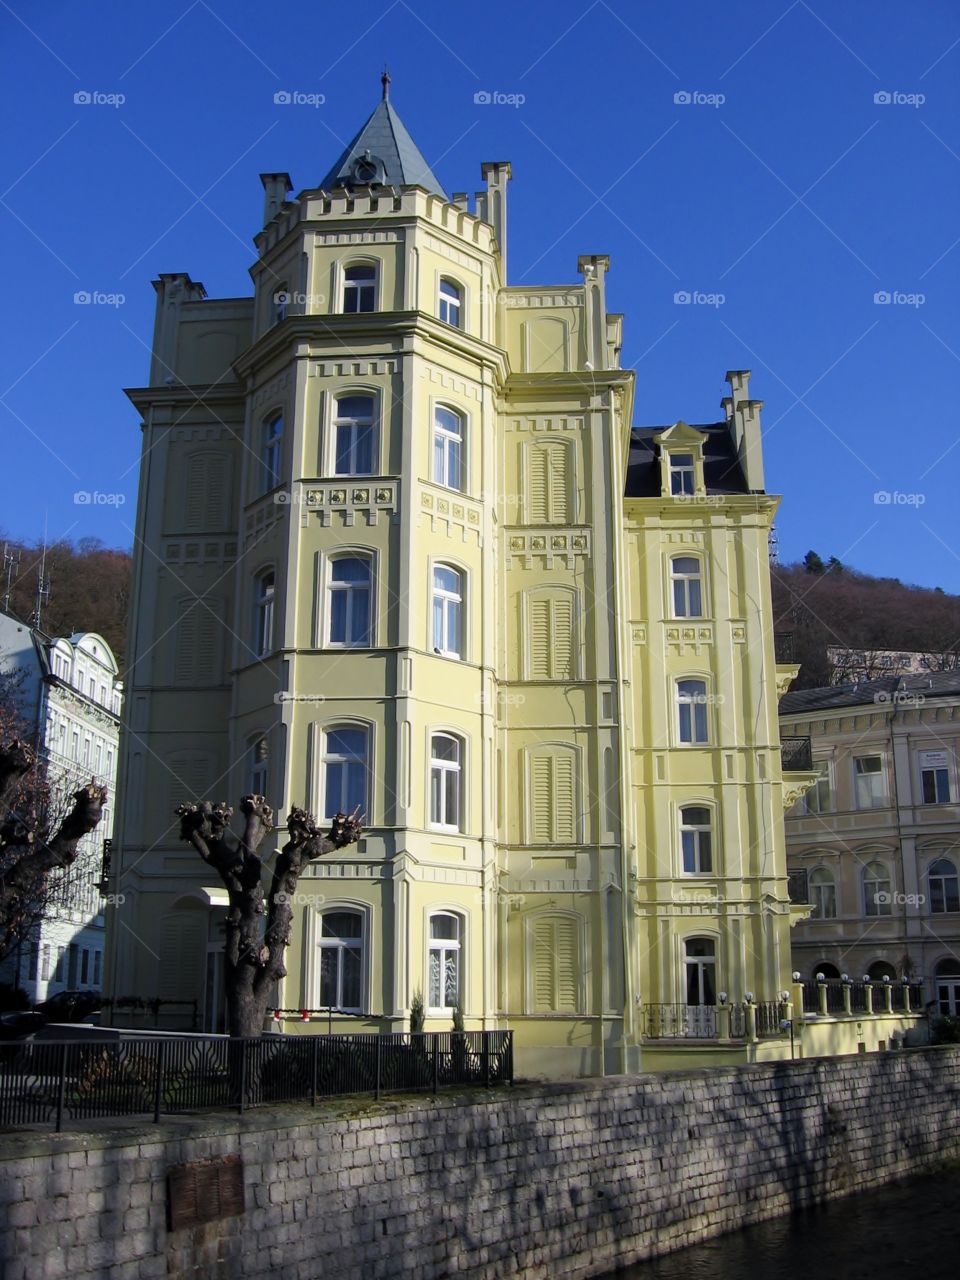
<point>798,198</point>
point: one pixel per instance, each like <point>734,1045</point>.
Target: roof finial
<point>385,81</point>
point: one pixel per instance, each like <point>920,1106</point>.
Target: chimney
<point>275,188</point>
<point>496,174</point>
<point>173,290</point>
<point>743,417</point>
<point>593,267</point>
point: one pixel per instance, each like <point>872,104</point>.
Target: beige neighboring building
<point>875,845</point>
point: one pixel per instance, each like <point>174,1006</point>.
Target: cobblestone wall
<point>545,1181</point>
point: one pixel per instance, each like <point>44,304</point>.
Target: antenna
<point>43,588</point>
<point>11,569</point>
<point>773,545</point>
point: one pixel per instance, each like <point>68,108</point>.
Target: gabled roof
<point>382,153</point>
<point>886,692</point>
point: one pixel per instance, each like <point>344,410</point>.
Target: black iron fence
<point>905,997</point>
<point>52,1082</point>
<point>796,755</point>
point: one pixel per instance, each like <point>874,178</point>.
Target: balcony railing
<point>796,755</point>
<point>783,646</point>
<point>710,1022</point>
<point>904,997</point>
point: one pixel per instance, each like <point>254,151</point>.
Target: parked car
<point>20,1023</point>
<point>70,1006</point>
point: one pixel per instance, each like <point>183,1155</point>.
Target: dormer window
<point>360,288</point>
<point>682,474</point>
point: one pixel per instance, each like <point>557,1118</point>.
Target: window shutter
<point>186,644</point>
<point>562,649</point>
<point>564,824</point>
<point>537,491</point>
<point>557,472</point>
<point>183,940</point>
<point>542,798</point>
<point>555,967</point>
<point>207,635</point>
<point>188,780</point>
<point>540,664</point>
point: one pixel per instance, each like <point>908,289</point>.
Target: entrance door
<point>947,983</point>
<point>700,963</point>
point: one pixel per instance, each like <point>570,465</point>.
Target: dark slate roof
<point>887,691</point>
<point>721,469</point>
<point>396,158</point>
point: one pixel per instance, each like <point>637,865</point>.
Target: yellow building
<point>399,545</point>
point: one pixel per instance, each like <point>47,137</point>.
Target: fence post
<point>158,1082</point>
<point>316,1052</point>
<point>510,1057</point>
<point>379,1056</point>
<point>61,1086</point>
<point>436,1063</point>
<point>486,1057</point>
<point>243,1073</point>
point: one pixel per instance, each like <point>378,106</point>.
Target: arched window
<point>447,611</point>
<point>881,969</point>
<point>450,303</point>
<point>264,597</point>
<point>447,448</point>
<point>281,300</point>
<point>349,601</point>
<point>695,839</point>
<point>947,982</point>
<point>341,960</point>
<point>271,449</point>
<point>692,711</point>
<point>823,894</point>
<point>354,436</point>
<point>944,886</point>
<point>446,780</point>
<point>443,962</point>
<point>685,575</point>
<point>827,970</point>
<point>259,757</point>
<point>877,898</point>
<point>360,288</point>
<point>345,766</point>
<point>700,964</point>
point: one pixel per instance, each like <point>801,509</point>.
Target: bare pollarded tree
<point>31,847</point>
<point>259,923</point>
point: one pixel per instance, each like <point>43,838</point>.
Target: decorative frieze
<point>345,502</point>
<point>201,552</point>
<point>448,381</point>
<point>351,368</point>
<point>356,237</point>
<point>272,392</point>
<point>555,298</point>
<point>539,548</point>
<point>547,422</point>
<point>447,251</point>
<point>451,514</point>
<point>689,639</point>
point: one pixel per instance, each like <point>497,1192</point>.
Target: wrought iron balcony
<point>784,647</point>
<point>796,755</point>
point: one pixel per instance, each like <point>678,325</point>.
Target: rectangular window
<point>61,959</point>
<point>870,782</point>
<point>818,799</point>
<point>345,765</point>
<point>692,711</point>
<point>682,473</point>
<point>84,965</point>
<point>935,777</point>
<point>45,965</point>
<point>97,967</point>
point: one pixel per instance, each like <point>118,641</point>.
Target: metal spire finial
<point>385,81</point>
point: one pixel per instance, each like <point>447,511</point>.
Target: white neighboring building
<point>71,694</point>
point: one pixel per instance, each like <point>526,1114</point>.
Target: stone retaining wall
<point>559,1180</point>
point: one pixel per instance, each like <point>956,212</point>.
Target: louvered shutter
<point>556,978</point>
<point>195,493</point>
<point>543,966</point>
<point>537,492</point>
<point>542,798</point>
<point>564,800</point>
<point>184,664</point>
<point>540,664</point>
<point>556,464</point>
<point>188,780</point>
<point>183,945</point>
<point>207,667</point>
<point>562,640</point>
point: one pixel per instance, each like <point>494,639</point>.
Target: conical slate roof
<point>382,152</point>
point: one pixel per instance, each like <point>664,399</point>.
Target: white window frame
<point>939,764</point>
<point>685,580</point>
<point>812,801</point>
<point>264,611</point>
<point>692,701</point>
<point>943,860</point>
<point>339,945</point>
<point>699,963</point>
<point>882,800</point>
<point>329,757</point>
<point>448,304</point>
<point>343,284</point>
<point>446,444</point>
<point>869,876</point>
<point>271,451</point>
<point>823,891</point>
<point>445,947</point>
<point>352,423</point>
<point>698,830</point>
<point>685,474</point>
<point>333,588</point>
<point>447,598</point>
<point>441,769</point>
